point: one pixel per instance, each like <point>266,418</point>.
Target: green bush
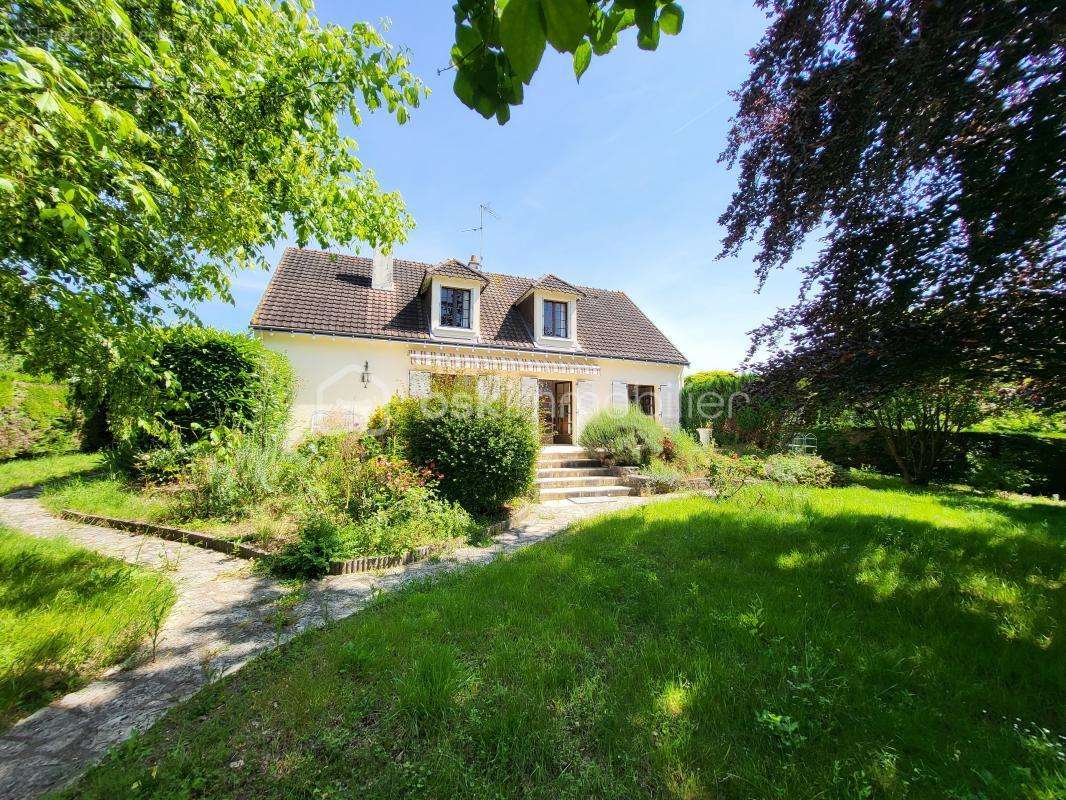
<point>319,543</point>
<point>483,451</point>
<point>626,438</point>
<point>200,380</point>
<point>1008,473</point>
<point>729,472</point>
<point>799,469</point>
<point>1014,462</point>
<point>362,501</point>
<point>351,478</point>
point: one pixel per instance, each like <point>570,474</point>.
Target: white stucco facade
<point>342,380</point>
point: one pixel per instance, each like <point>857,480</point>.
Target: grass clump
<point>65,615</point>
<point>869,641</point>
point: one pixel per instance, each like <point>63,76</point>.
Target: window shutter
<point>620,395</point>
<point>418,383</point>
<point>583,403</point>
<point>668,406</point>
<point>529,390</point>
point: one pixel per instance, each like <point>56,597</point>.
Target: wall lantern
<point>365,377</point>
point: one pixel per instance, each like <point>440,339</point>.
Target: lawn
<point>24,473</point>
<point>871,641</point>
<point>66,614</point>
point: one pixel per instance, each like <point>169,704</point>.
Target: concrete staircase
<point>565,472</point>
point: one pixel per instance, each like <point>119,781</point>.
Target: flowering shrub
<point>362,501</point>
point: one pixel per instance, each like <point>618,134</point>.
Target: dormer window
<point>454,307</point>
<point>556,319</point>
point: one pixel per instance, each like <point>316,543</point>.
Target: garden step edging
<point>167,532</point>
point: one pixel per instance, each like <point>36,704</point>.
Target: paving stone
<point>221,618</point>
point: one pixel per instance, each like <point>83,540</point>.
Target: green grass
<point>65,615</point>
<point>872,641</point>
<point>109,497</point>
<point>22,473</point>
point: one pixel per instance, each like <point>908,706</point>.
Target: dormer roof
<point>553,283</point>
<point>455,269</point>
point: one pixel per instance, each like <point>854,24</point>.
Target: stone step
<point>571,472</point>
<point>584,480</point>
<point>572,463</point>
<point>585,491</point>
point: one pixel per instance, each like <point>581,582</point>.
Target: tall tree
<point>499,44</point>
<point>926,140</point>
<point>150,147</point>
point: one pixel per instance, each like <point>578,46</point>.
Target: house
<point>358,331</point>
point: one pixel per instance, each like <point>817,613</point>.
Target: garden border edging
<point>347,567</point>
<point>166,532</point>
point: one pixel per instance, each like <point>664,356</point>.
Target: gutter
<point>411,340</point>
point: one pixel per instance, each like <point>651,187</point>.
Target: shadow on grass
<point>782,644</point>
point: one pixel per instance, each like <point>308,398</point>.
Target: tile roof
<point>457,269</point>
<point>556,284</point>
<point>313,291</point>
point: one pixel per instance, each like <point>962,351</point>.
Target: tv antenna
<point>484,208</point>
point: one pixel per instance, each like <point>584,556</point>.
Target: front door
<point>556,412</point>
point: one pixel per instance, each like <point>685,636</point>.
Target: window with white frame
<point>555,319</point>
<point>454,307</point>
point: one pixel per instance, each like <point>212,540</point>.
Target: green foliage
<point>151,149</point>
<point>352,479</point>
<point>684,453</point>
<point>1023,420</point>
<point>483,451</point>
<point>917,421</point>
<point>201,380</point>
<point>626,438</point>
<point>35,418</point>
<point>729,472</point>
<point>1009,472</point>
<point>499,44</point>
<point>359,501</point>
<point>799,469</point>
<point>319,543</point>
<point>666,477</point>
<point>938,213</point>
<point>414,519</point>
<point>65,615</point>
<point>239,471</point>
<point>1007,461</point>
<point>629,657</point>
<point>726,403</point>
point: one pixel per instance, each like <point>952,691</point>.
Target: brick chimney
<point>475,262</point>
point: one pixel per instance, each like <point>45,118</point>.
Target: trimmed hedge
<point>204,379</point>
<point>720,400</point>
<point>1042,459</point>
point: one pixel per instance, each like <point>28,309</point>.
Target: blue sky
<point>612,183</point>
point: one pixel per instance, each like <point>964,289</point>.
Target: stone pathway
<point>223,617</point>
